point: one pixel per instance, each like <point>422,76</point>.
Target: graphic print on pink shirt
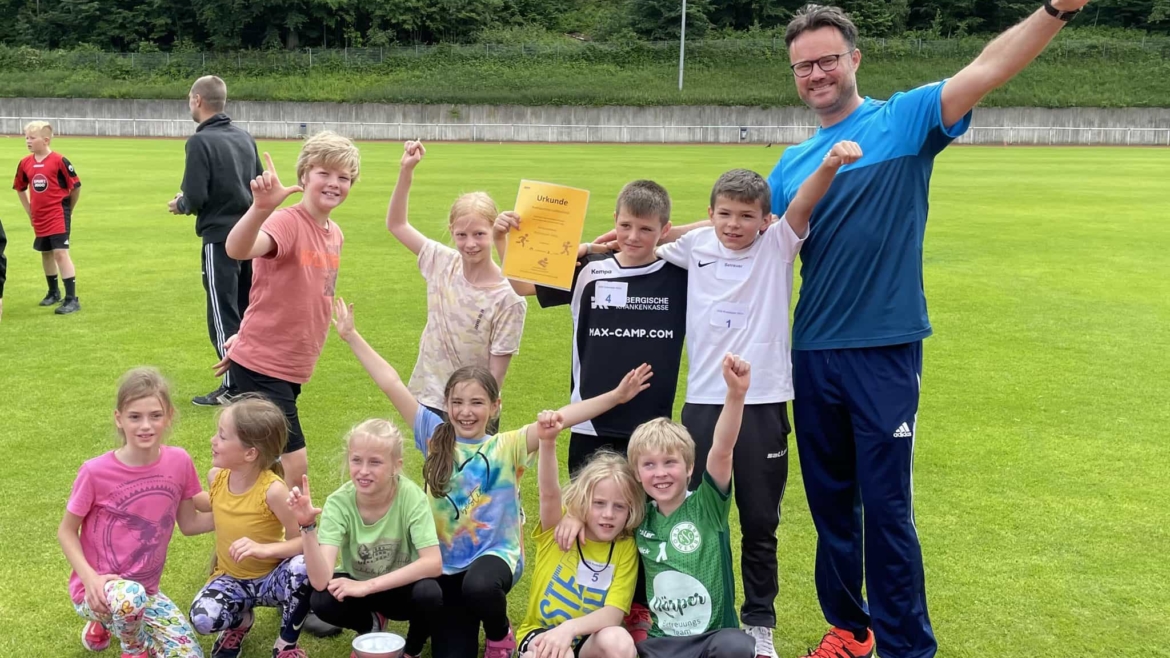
<point>129,514</point>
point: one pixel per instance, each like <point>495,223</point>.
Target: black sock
<point>70,287</point>
<point>861,636</point>
<point>53,289</point>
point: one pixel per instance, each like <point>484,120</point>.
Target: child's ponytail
<point>440,460</point>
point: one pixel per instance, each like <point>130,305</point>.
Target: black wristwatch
<point>1065,16</point>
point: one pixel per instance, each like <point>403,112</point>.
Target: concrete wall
<point>146,118</point>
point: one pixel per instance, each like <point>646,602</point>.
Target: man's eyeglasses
<point>826,64</point>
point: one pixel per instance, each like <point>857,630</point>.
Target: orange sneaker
<point>840,643</point>
<point>637,623</point>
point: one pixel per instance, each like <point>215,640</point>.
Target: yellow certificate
<point>544,249</point>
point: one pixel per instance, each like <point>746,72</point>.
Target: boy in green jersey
<point>684,539</point>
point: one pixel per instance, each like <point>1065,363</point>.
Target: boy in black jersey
<point>628,307</point>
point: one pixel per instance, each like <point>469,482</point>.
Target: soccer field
<point>1041,496</point>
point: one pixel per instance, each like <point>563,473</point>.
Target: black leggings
<point>479,594</point>
<point>417,603</point>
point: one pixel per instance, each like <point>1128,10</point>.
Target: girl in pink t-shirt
<point>118,523</point>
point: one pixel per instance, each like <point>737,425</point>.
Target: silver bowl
<point>378,645</point>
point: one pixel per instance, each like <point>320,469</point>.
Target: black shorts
<point>281,393</point>
<point>52,242</point>
<point>523,646</point>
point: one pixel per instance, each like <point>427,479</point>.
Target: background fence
<point>553,123</point>
<point>536,132</point>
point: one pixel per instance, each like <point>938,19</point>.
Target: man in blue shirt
<point>861,317</point>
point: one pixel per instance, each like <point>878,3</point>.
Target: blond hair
<point>260,425</point>
<point>41,128</point>
<point>475,204</point>
<point>212,92</point>
<point>382,432</point>
<point>664,436</point>
<point>606,465</point>
<point>139,383</point>
<point>329,150</point>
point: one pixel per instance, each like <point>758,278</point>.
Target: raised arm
<point>1001,60</point>
<point>383,374</point>
<point>635,381</point>
<point>509,221</point>
<point>738,375</point>
<point>246,241</point>
<point>813,189</point>
<point>548,473</point>
<point>319,560</point>
<point>396,215</point>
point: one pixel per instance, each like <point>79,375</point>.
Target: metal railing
<point>578,133</point>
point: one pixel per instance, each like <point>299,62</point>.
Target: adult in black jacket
<point>221,161</point>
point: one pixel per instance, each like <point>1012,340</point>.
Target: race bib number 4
<point>611,293</point>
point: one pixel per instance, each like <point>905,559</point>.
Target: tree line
<point>220,25</point>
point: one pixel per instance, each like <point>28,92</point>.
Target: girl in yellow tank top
<point>255,564</point>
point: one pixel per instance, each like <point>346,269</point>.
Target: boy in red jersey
<point>55,190</point>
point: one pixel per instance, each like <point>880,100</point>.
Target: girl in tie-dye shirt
<point>472,479</point>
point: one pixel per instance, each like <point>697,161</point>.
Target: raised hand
<point>343,319</point>
<point>301,504</point>
<point>506,221</point>
<point>843,153</point>
<point>548,425</point>
<point>737,373</point>
<point>267,190</point>
<point>635,381</point>
<point>412,154</point>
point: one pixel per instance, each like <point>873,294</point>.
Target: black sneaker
<point>51,297</point>
<point>318,628</point>
<point>70,305</point>
<point>218,397</point>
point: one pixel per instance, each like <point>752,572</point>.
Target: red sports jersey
<point>51,180</point>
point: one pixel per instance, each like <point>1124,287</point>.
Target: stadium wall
<point>687,124</point>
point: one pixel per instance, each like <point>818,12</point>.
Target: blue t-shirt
<point>861,265</point>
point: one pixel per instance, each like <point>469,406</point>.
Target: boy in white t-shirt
<point>738,296</point>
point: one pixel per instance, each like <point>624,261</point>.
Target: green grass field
<point>1041,493</point>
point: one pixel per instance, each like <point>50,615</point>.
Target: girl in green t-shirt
<point>380,526</point>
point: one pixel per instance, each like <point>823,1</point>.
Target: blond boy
<point>297,252</point>
<point>55,191</point>
<point>684,540</point>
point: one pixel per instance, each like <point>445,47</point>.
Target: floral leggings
<point>221,603</point>
<point>146,625</point>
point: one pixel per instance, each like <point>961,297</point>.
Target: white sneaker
<point>763,637</point>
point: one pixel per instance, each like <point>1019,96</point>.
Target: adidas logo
<point>903,432</point>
